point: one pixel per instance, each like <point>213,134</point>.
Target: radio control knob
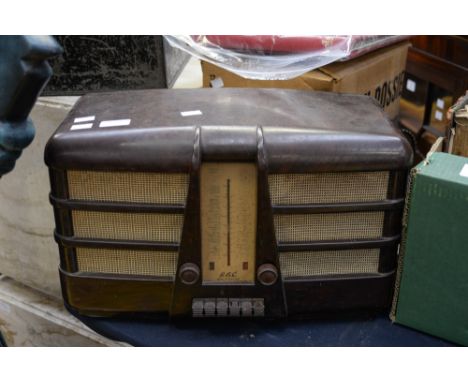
<point>267,274</point>
<point>189,273</point>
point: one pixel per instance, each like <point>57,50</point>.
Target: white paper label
<point>440,103</point>
<point>439,115</point>
<point>411,85</point>
<point>189,113</point>
<point>84,119</point>
<point>464,171</point>
<point>82,126</point>
<point>115,123</point>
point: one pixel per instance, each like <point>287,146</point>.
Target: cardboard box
<point>379,74</point>
<point>460,136</point>
<point>431,293</point>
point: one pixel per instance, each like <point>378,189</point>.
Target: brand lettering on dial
<point>227,275</point>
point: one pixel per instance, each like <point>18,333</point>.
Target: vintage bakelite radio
<point>227,203</point>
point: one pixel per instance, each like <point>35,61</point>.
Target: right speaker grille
<point>329,263</point>
<point>333,187</point>
<point>307,228</point>
<point>329,226</point>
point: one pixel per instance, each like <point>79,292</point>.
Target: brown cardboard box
<point>379,74</point>
<point>460,139</point>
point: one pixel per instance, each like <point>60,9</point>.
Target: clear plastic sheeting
<point>276,57</point>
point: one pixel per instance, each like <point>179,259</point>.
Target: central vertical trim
<point>228,220</point>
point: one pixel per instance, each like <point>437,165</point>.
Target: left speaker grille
<point>126,262</point>
<point>132,187</point>
<point>127,226</point>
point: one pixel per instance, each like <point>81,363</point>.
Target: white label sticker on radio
<point>115,123</point>
<point>438,115</point>
<point>464,171</point>
<point>82,126</point>
<point>411,85</point>
<point>189,113</point>
<point>84,119</point>
<point>440,103</point>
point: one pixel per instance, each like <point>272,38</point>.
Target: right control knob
<point>267,274</point>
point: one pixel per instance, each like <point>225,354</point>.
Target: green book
<point>431,292</point>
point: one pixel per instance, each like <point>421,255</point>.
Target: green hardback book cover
<point>432,285</point>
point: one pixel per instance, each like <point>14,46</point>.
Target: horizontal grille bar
<point>388,241</point>
<point>340,207</point>
<point>70,242</point>
<point>93,205</point>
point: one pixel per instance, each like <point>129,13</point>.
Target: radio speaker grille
<point>132,187</point>
<point>323,263</point>
<point>126,262</point>
<point>127,226</point>
<point>338,187</point>
<point>329,226</point>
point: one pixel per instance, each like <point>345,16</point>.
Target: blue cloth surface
<point>370,331</point>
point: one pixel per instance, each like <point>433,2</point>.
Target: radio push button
<point>246,307</point>
<point>210,308</point>
<point>222,306</point>
<point>258,308</point>
<point>234,307</point>
<point>197,307</point>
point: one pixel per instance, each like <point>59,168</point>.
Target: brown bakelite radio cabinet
<point>227,203</point>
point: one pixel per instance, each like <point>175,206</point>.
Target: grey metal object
<point>24,72</point>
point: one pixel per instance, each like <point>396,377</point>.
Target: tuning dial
<point>267,274</point>
<point>189,273</point>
